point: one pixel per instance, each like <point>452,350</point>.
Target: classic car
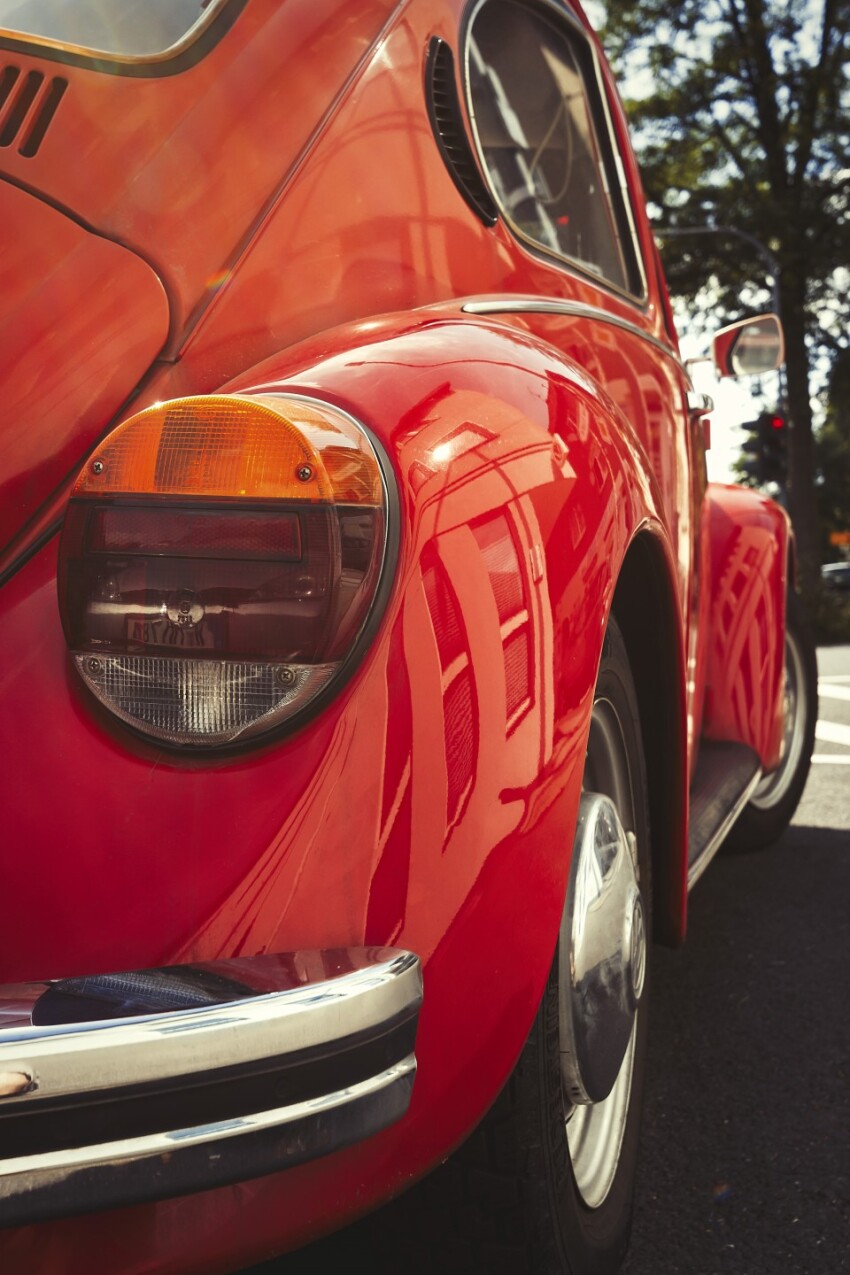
<point>379,670</point>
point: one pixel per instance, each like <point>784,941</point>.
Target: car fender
<point>431,805</point>
<point>749,544</point>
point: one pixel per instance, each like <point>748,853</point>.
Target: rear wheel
<point>777,796</point>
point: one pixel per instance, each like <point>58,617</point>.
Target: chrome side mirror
<point>749,347</point>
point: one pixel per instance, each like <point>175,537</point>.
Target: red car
<point>378,670</point>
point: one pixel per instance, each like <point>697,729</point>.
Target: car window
<point>123,28</point>
<point>538,119</point>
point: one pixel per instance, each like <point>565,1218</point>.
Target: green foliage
<point>741,111</point>
<point>833,456</point>
<point>745,122</point>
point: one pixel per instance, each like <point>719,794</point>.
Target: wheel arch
<point>646,610</point>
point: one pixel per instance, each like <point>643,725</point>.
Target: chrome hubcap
<point>774,786</point>
<point>603,953</point>
<point>604,961</point>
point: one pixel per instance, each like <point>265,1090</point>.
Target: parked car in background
<point>379,671</point>
<point>836,575</point>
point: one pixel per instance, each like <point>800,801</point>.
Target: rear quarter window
<point>541,128</point>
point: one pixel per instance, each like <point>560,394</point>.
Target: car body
<point>331,217</point>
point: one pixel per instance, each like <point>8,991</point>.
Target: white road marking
<point>826,691</point>
<point>834,677</point>
<point>831,759</point>
<point>833,733</point>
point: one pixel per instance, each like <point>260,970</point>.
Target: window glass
<point>124,28</point>
<point>531,104</point>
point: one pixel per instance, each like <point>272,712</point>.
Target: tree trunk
<point>802,504</point>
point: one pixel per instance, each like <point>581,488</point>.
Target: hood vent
<point>447,123</point>
<point>27,106</point>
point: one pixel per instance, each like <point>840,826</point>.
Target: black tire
<point>773,803</point>
<point>508,1201</point>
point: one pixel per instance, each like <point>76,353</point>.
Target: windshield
<point>123,28</point>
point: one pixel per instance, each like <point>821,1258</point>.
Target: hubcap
<point>603,953</point>
<point>774,786</point>
<point>606,956</point>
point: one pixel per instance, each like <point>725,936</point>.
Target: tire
<point>777,796</point>
<point>525,1194</point>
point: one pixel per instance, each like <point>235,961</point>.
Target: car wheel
<point>544,1185</point>
<point>772,805</point>
<point>577,1090</point>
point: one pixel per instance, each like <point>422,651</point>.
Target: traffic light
<point>766,448</point>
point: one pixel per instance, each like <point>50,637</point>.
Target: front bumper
<point>139,1086</point>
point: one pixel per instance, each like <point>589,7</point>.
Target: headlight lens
<point>219,560</point>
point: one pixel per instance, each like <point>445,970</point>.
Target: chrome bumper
<point>139,1086</point>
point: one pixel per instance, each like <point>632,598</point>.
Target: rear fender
<point>524,493</point>
<point>749,550</point>
<point>431,804</point>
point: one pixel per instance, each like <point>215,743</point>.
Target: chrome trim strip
<point>699,865</point>
<point>569,309</point>
<point>83,1179</point>
<point>77,1058</point>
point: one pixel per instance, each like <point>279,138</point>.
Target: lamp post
<point>769,258</point>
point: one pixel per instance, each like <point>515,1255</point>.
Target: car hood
<point>81,321</point>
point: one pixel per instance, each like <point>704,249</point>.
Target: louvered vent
<point>447,123</point>
<point>27,105</point>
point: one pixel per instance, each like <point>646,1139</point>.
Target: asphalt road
<point>746,1149</point>
<point>746,1146</point>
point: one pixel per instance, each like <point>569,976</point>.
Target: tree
<point>746,122</point>
<point>833,455</point>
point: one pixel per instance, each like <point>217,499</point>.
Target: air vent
<point>447,123</point>
<point>27,105</point>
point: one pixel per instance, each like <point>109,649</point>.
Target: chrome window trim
<point>192,46</point>
<point>568,309</point>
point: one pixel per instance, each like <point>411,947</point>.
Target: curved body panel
<point>288,191</point>
<point>520,497</point>
<point>749,581</point>
<point>70,293</point>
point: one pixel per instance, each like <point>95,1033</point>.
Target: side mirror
<point>749,347</point>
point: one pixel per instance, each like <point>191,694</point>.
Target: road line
<point>831,759</point>
<point>833,733</point>
<point>834,677</point>
<point>827,691</point>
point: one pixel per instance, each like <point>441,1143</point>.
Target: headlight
<point>219,561</point>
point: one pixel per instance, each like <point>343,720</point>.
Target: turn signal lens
<point>219,561</point>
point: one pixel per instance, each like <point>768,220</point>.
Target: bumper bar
<point>139,1086</point>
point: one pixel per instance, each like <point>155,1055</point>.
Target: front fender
<point>749,540</point>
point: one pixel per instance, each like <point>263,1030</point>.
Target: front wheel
<point>547,1180</point>
<point>544,1185</point>
<point>777,796</point>
<point>588,1099</point>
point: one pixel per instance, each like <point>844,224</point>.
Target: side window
<point>543,139</point>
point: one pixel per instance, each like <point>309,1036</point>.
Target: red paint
<point>288,193</point>
<point>749,579</point>
<point>69,291</point>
